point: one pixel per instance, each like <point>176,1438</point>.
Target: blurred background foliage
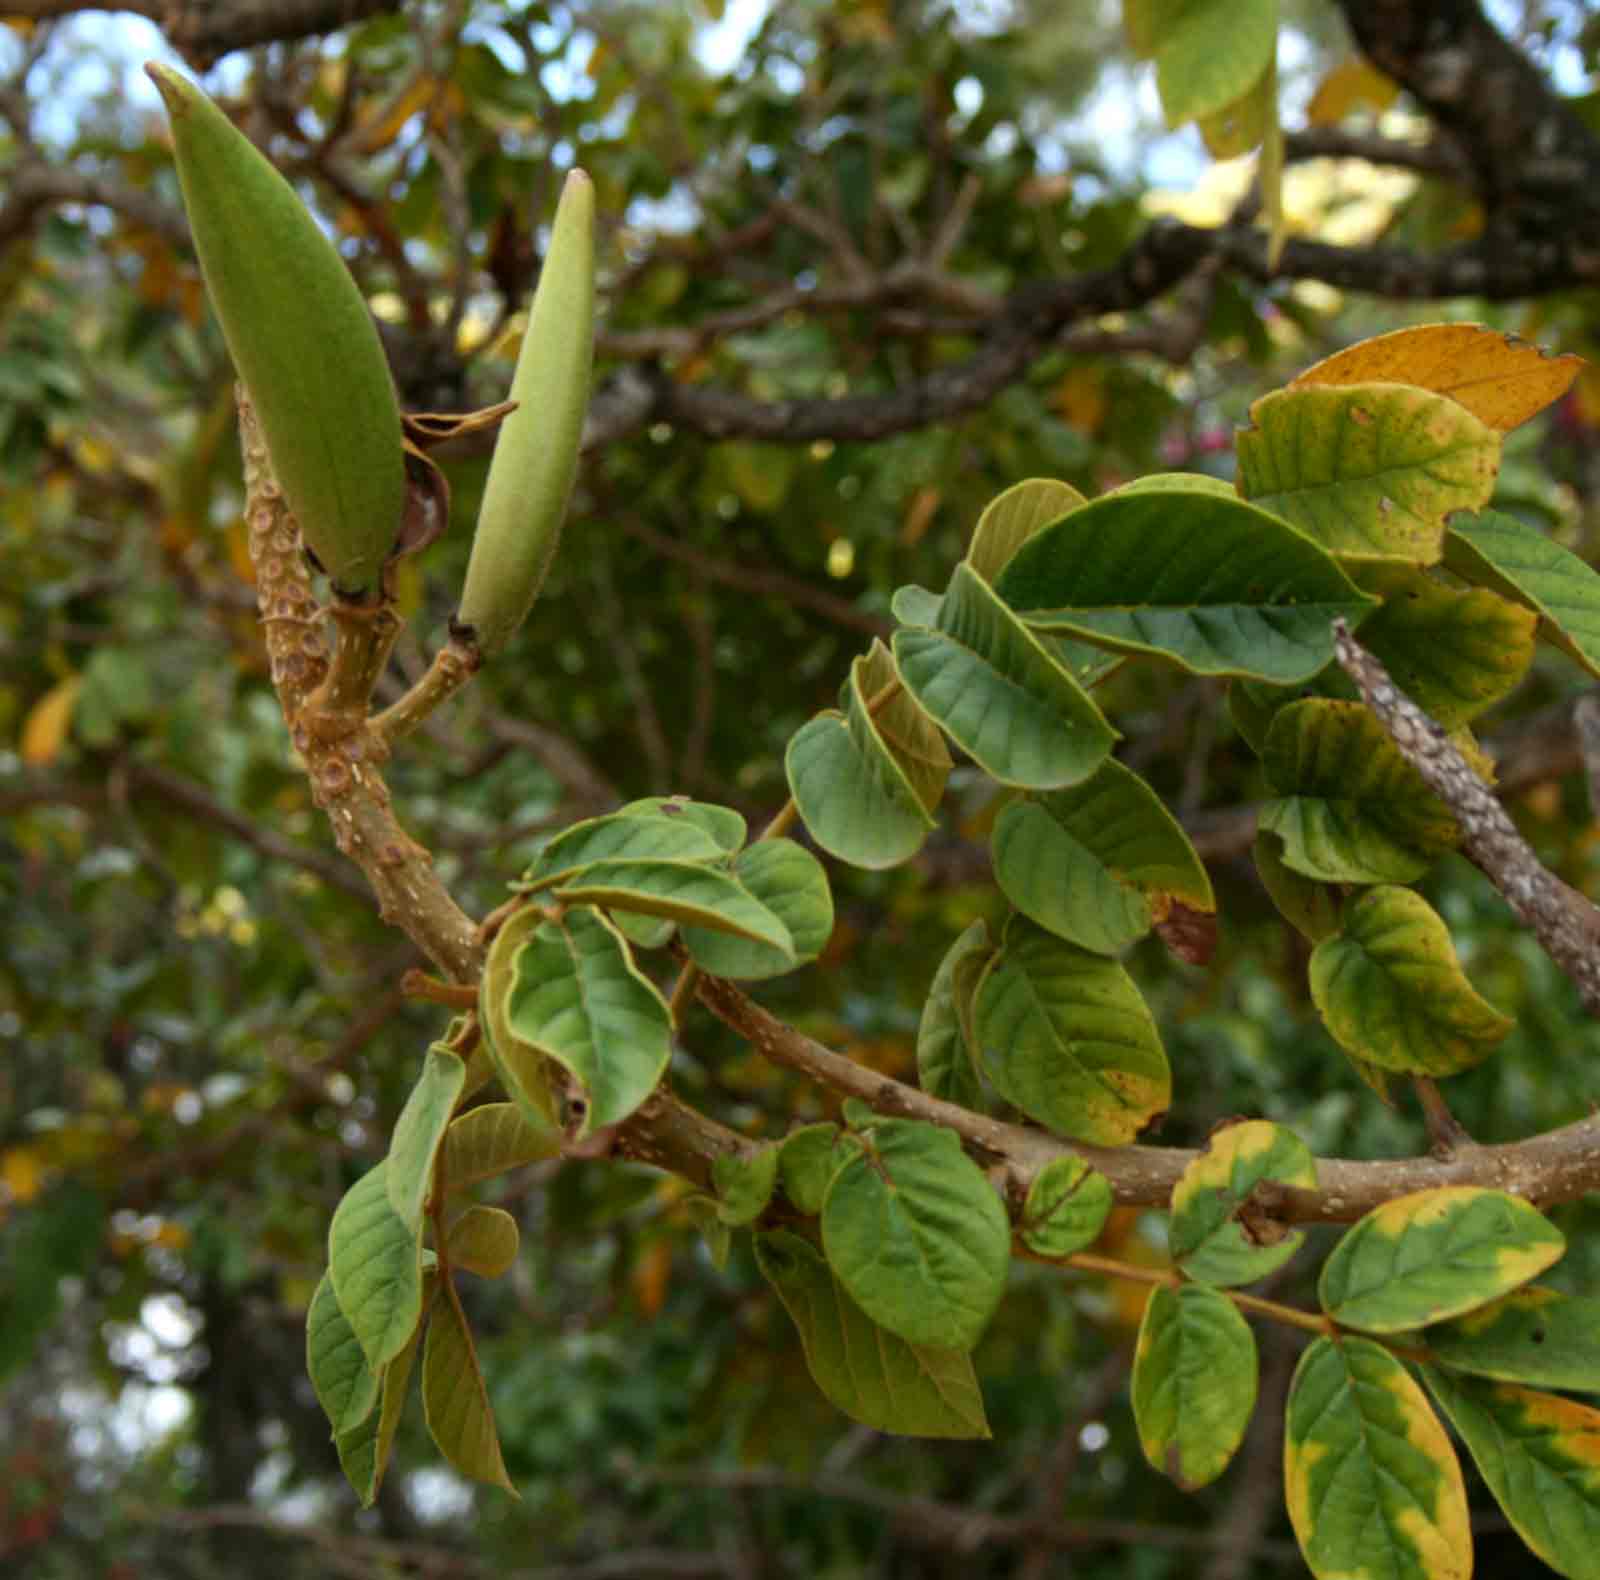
<point>202,1041</point>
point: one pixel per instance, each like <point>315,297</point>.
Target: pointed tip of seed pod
<point>173,87</point>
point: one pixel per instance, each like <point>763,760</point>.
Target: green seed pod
<point>536,452</point>
<point>301,338</point>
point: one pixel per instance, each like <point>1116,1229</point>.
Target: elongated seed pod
<point>536,452</point>
<point>301,338</point>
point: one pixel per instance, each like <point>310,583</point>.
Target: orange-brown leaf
<point>1499,378</point>
<point>44,732</point>
<point>1351,85</point>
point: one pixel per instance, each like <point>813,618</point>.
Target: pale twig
<point>1565,922</point>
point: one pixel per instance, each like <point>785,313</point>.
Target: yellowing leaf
<point>1371,1482</point>
<point>1393,994</point>
<point>454,1399</point>
<point>1369,469</point>
<point>44,732</point>
<point>1081,398</point>
<point>21,1172</point>
<point>1499,378</point>
<point>1350,85</point>
<point>381,125</point>
<point>484,1240</point>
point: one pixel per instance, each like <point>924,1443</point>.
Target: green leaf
<point>808,1158</point>
<point>1370,471</point>
<point>1435,1254</point>
<point>1205,580</point>
<point>1351,808</point>
<point>745,1182</point>
<point>1393,994</point>
<point>645,932</point>
<point>998,693</point>
<point>1492,549</point>
<point>946,1057</point>
<point>454,1399</point>
<point>621,836</point>
<point>1211,53</point>
<point>912,737</point>
<point>1008,521</point>
<point>1213,1236</point>
<point>917,1235</point>
<point>364,1450</point>
<point>1065,1035</point>
<point>1534,1335</point>
<point>1098,863</point>
<point>419,1131</point>
<point>347,1388</point>
<point>493,1139</point>
<point>1454,653</point>
<point>1239,127</point>
<point>57,1238</point>
<point>1179,483</point>
<point>1309,905</point>
<point>692,895</point>
<point>705,1212</point>
<point>853,793</point>
<point>1372,1484</point>
<point>375,1261</point>
<point>870,1374</point>
<point>1194,1383</point>
<point>523,1071</point>
<point>791,883</point>
<point>484,1241</point>
<point>722,823</point>
<point>912,605</point>
<point>1540,1456</point>
<point>578,998</point>
<point>1067,1206</point>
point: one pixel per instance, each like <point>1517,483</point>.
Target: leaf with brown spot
<point>1501,379</point>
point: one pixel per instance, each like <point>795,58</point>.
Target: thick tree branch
<point>33,188</point>
<point>1560,1165</point>
<point>205,30</point>
<point>1533,161</point>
